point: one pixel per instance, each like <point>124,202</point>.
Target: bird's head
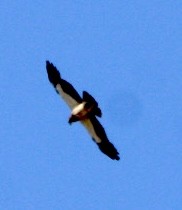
<point>72,119</point>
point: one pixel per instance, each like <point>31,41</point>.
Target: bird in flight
<point>85,110</point>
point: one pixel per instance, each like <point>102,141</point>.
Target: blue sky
<point>127,54</point>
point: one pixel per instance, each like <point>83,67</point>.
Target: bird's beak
<point>70,121</point>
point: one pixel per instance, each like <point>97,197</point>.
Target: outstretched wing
<point>98,134</point>
<point>64,88</point>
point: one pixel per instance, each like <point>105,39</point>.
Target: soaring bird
<point>85,110</point>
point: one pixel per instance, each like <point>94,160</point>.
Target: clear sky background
<point>128,55</point>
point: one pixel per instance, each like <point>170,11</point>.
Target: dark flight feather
<point>55,78</point>
<point>105,145</point>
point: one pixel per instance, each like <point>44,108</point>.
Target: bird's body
<point>85,110</point>
<point>79,110</point>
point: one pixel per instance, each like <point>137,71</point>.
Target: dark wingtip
<point>53,73</point>
<point>117,158</point>
<point>108,149</point>
<point>48,64</point>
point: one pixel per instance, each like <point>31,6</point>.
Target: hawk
<point>84,109</point>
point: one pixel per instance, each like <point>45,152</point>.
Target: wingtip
<point>49,65</point>
<point>117,158</point>
<point>108,149</point>
<point>47,62</point>
<point>53,74</point>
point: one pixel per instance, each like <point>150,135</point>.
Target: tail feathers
<point>98,112</point>
<point>53,74</point>
<point>108,149</point>
<point>88,98</point>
